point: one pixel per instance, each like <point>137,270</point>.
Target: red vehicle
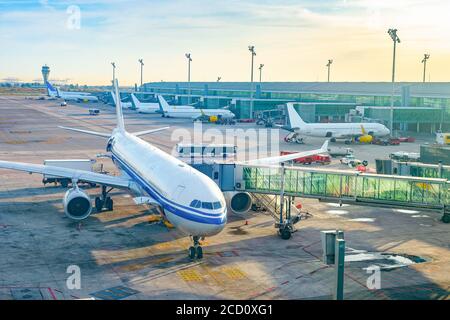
<point>407,139</point>
<point>246,120</point>
<point>318,158</point>
<point>386,142</point>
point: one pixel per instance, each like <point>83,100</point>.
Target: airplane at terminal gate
<point>187,198</point>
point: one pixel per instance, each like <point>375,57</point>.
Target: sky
<point>78,40</point>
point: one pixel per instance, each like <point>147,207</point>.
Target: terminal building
<point>419,107</point>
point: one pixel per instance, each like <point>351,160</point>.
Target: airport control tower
<point>45,73</point>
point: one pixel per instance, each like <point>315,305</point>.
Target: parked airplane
<point>144,107</point>
<point>334,130</point>
<point>70,96</point>
<point>127,105</point>
<point>188,199</point>
<point>190,112</point>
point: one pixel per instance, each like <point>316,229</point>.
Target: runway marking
<point>190,275</point>
<point>140,266</point>
<point>234,273</point>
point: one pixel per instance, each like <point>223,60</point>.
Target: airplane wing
<point>290,157</point>
<point>81,175</point>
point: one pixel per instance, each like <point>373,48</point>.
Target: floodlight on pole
<point>141,61</point>
<point>114,73</point>
<point>260,72</point>
<point>252,51</point>
<point>393,34</point>
<point>328,65</point>
<point>426,56</point>
<point>188,56</point>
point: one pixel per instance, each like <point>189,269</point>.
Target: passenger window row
<point>205,205</point>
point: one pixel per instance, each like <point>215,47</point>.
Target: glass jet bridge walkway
<point>346,187</point>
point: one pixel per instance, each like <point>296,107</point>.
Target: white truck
<point>78,164</point>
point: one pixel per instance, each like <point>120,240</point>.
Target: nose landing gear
<point>196,250</point>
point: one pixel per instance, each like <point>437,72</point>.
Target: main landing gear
<point>196,250</point>
<point>104,202</point>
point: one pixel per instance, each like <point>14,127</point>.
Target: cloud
<point>34,32</point>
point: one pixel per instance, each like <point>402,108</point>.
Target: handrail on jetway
<point>346,186</point>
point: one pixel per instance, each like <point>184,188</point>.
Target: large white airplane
<point>127,105</point>
<point>190,112</point>
<point>144,107</point>
<point>361,131</point>
<point>187,198</point>
<point>70,96</point>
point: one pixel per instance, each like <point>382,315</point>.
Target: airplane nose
<point>217,228</point>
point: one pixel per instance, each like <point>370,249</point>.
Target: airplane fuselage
<point>191,201</point>
<point>342,130</point>
<point>195,113</point>
<point>148,108</point>
<point>82,98</point>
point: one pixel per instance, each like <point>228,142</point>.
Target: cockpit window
<point>196,204</point>
<point>193,203</point>
<point>207,205</point>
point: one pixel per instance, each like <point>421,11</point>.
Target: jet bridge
<point>347,187</point>
<point>275,188</point>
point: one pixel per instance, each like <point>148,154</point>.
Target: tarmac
<point>128,254</point>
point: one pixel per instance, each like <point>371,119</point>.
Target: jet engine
<point>367,138</point>
<point>77,204</point>
<point>239,202</point>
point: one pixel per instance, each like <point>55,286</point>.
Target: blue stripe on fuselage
<point>166,203</point>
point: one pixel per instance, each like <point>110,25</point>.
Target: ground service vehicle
<point>317,158</point>
<point>442,138</point>
<point>351,161</point>
<point>77,164</point>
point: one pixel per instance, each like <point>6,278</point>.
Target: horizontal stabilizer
<point>141,133</point>
<point>94,133</point>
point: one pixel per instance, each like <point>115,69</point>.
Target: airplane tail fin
<point>135,102</point>
<point>163,105</point>
<point>119,114</point>
<point>294,119</point>
<point>113,95</point>
<point>51,91</point>
<point>363,130</point>
<point>324,147</point>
